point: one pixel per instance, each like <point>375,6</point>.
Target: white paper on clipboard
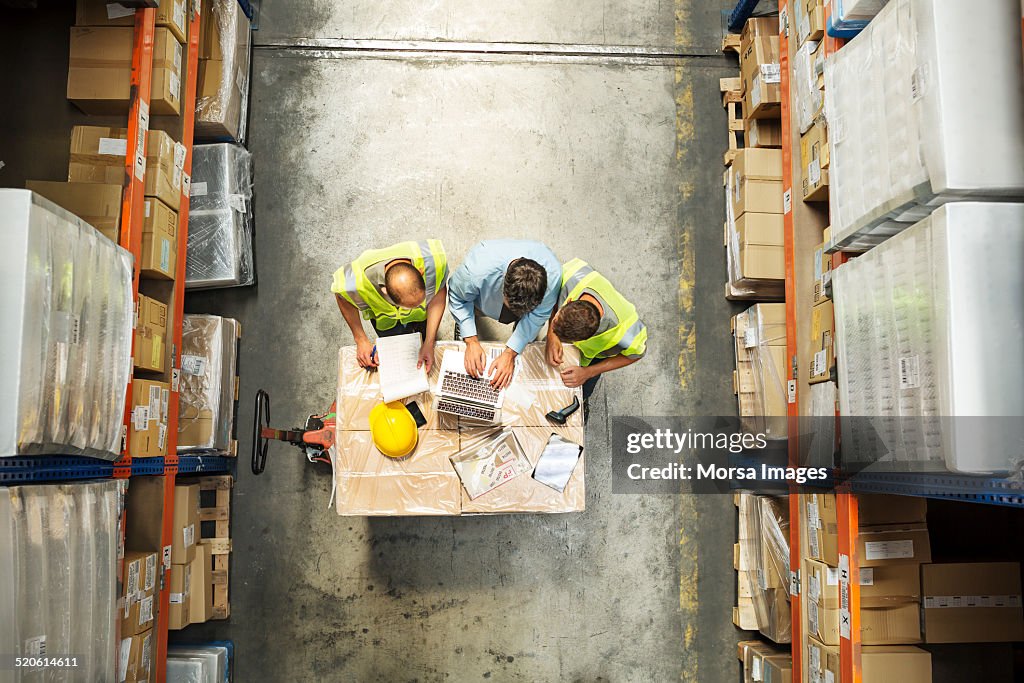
<point>557,462</point>
<point>399,376</point>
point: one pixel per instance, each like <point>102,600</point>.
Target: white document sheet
<point>399,376</point>
<point>557,462</point>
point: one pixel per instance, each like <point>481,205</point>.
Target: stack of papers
<point>399,376</point>
<point>488,465</point>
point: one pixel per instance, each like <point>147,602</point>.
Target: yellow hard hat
<point>393,429</point>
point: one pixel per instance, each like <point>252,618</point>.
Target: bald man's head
<point>405,285</point>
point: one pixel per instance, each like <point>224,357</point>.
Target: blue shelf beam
<point>740,13</point>
<point>196,464</point>
<point>1008,492</point>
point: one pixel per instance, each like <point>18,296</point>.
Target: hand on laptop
<point>476,357</point>
<point>502,369</point>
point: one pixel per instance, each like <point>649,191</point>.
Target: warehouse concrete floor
<point>594,126</point>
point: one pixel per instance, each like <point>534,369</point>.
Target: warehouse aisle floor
<point>595,127</point>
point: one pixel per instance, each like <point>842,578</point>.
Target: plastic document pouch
<point>557,462</point>
<point>491,463</point>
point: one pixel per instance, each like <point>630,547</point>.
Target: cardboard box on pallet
<point>810,20</point>
<point>148,436</point>
<point>903,663</point>
<point>97,154</point>
<point>208,390</point>
<point>874,510</point>
<point>170,14</point>
<point>759,336</point>
<point>762,133</point>
<point>755,182</point>
<point>822,342</point>
<point>223,84</point>
<point>761,246</point>
<point>759,68</point>
<point>98,204</point>
<point>814,161</point>
<point>778,669</point>
<point>753,654</point>
<point>99,70</point>
<point>135,661</point>
<point>179,614</point>
<point>159,241</point>
<point>972,602</point>
<point>890,598</point>
<point>185,524</point>
<point>150,332</point>
<point>201,589</point>
<point>139,586</point>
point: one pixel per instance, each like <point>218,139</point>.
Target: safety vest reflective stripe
<point>351,283</point>
<point>628,337</point>
<point>573,273</point>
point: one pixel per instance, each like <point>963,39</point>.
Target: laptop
<point>471,398</point>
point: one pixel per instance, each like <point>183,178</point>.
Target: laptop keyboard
<point>470,388</point>
<point>463,410</point>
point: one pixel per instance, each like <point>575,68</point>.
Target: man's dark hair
<point>526,281</point>
<point>403,273</point>
<point>576,321</point>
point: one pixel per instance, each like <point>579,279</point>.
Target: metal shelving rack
<point>53,468</point>
<point>802,230</point>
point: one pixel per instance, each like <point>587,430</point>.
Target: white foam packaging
<point>58,577</point>
<point>924,106</point>
<point>65,345</point>
<point>929,333</point>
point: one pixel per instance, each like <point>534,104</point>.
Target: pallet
<point>219,544</point>
<point>731,43</point>
<point>732,101</point>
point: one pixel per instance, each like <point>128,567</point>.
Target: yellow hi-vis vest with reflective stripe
<point>351,283</point>
<point>628,337</point>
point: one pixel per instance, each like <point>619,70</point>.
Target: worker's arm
<point>435,311</point>
<point>576,376</point>
<point>553,345</point>
<point>463,290</point>
<point>364,347</point>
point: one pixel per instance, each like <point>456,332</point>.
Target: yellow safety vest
<point>350,281</point>
<point>628,337</point>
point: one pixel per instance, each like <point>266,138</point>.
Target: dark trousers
<point>398,329</point>
<point>589,386</point>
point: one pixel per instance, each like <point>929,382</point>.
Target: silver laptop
<point>471,398</point>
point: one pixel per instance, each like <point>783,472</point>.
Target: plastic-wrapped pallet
<point>760,344</point>
<point>206,398</point>
<point>925,106</point>
<point>58,577</point>
<point>822,425</point>
<point>768,573</point>
<point>210,662</point>
<point>220,218</point>
<point>66,303</point>
<point>222,106</point>
<point>929,329</point>
<point>808,66</point>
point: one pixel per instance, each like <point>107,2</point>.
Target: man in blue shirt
<point>509,281</point>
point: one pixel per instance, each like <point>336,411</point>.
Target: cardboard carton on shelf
<point>814,162</point>
<point>821,662</point>
<point>761,246</point>
<point>139,585</point>
<point>972,602</point>
<point>135,660</point>
<point>148,435</point>
<point>762,133</point>
<point>98,204</point>
<point>822,342</point>
<point>810,21</point>
<point>159,241</point>
<point>99,70</point>
<point>170,14</point>
<point>150,333</point>
<point>185,524</point>
<point>874,510</point>
<point>97,154</point>
<point>822,272</point>
<point>209,389</point>
<point>885,544</point>
<point>903,663</point>
<point>200,607</point>
<point>755,181</point>
<point>759,68</point>
<point>165,161</point>
<point>179,614</point>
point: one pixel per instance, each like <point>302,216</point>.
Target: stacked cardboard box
<point>209,384</point>
<point>148,433</point>
<point>755,253</point>
<point>972,602</point>
<point>759,336</point>
<point>764,663</point>
<point>759,68</point>
<point>223,87</point>
<point>893,543</point>
<point>765,555</point>
<point>150,332</point>
<point>100,64</point>
<point>138,614</point>
<point>135,658</point>
<point>185,523</point>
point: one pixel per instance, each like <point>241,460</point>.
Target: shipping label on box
<point>147,418</point>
